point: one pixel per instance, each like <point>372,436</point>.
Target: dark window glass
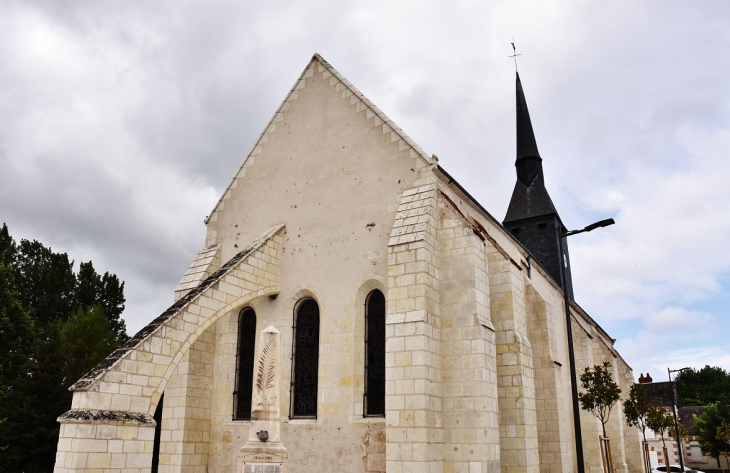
<point>158,431</point>
<point>306,360</point>
<point>375,355</point>
<point>246,344</point>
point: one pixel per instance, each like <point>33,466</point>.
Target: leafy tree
<point>16,334</point>
<point>55,325</point>
<point>112,301</point>
<point>87,339</point>
<point>723,435</point>
<point>701,387</point>
<point>103,291</point>
<point>16,331</point>
<point>707,426</point>
<point>601,392</point>
<point>88,283</point>
<point>683,432</point>
<point>7,246</point>
<point>637,409</point>
<point>38,397</point>
<point>659,419</point>
<point>45,282</point>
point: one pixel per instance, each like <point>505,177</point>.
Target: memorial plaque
<point>251,467</point>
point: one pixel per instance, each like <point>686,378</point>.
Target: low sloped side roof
<point>89,378</point>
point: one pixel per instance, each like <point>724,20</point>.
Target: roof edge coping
<point>150,329</point>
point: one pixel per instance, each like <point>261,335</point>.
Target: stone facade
<point>476,349</point>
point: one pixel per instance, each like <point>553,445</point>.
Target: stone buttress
<point>109,427</point>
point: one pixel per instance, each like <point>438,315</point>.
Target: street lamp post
<point>674,413</point>
<point>571,352</point>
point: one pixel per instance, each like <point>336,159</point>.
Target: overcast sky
<point>121,123</point>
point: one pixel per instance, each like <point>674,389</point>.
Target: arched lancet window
<point>246,354</point>
<point>305,366</point>
<point>158,434</point>
<point>375,355</point>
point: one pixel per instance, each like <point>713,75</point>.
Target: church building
<point>416,333</point>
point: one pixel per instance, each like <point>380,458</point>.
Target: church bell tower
<point>531,217</point>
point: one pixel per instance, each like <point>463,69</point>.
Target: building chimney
<point>645,379</point>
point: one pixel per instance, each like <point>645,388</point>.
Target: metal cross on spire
<point>515,53</point>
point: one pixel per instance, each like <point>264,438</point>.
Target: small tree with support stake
<point>660,421</point>
<point>637,410</point>
<point>723,435</point>
<point>600,394</point>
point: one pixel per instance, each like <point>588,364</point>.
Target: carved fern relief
<point>266,369</point>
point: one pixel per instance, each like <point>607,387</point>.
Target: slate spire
<point>530,198</point>
<point>526,144</point>
<point>531,216</point>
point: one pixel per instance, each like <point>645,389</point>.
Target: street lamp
<point>571,352</point>
<point>674,412</point>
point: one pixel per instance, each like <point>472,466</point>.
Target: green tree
<point>105,291</point>
<point>54,326</point>
<point>707,426</point>
<point>88,285</point>
<point>7,246</point>
<point>45,282</point>
<point>701,387</point>
<point>723,435</point>
<point>112,301</point>
<point>683,432</point>
<point>16,335</point>
<point>87,339</point>
<point>600,393</point>
<point>16,331</point>
<point>38,397</point>
<point>637,409</point>
<point>659,419</point>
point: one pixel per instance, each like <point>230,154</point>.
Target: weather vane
<point>515,53</point>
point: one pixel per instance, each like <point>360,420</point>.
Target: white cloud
<point>120,124</point>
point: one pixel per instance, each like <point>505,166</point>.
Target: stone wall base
<point>262,457</point>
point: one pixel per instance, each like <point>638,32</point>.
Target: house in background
<point>692,454</point>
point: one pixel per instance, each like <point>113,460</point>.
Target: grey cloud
<point>121,123</point>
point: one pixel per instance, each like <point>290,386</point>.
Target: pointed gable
<point>318,65</point>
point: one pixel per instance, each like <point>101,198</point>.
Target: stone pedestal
<point>263,457</point>
<point>264,452</point>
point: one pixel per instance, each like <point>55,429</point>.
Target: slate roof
<point>84,416</point>
<point>526,144</point>
<point>661,390</point>
<point>686,416</point>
